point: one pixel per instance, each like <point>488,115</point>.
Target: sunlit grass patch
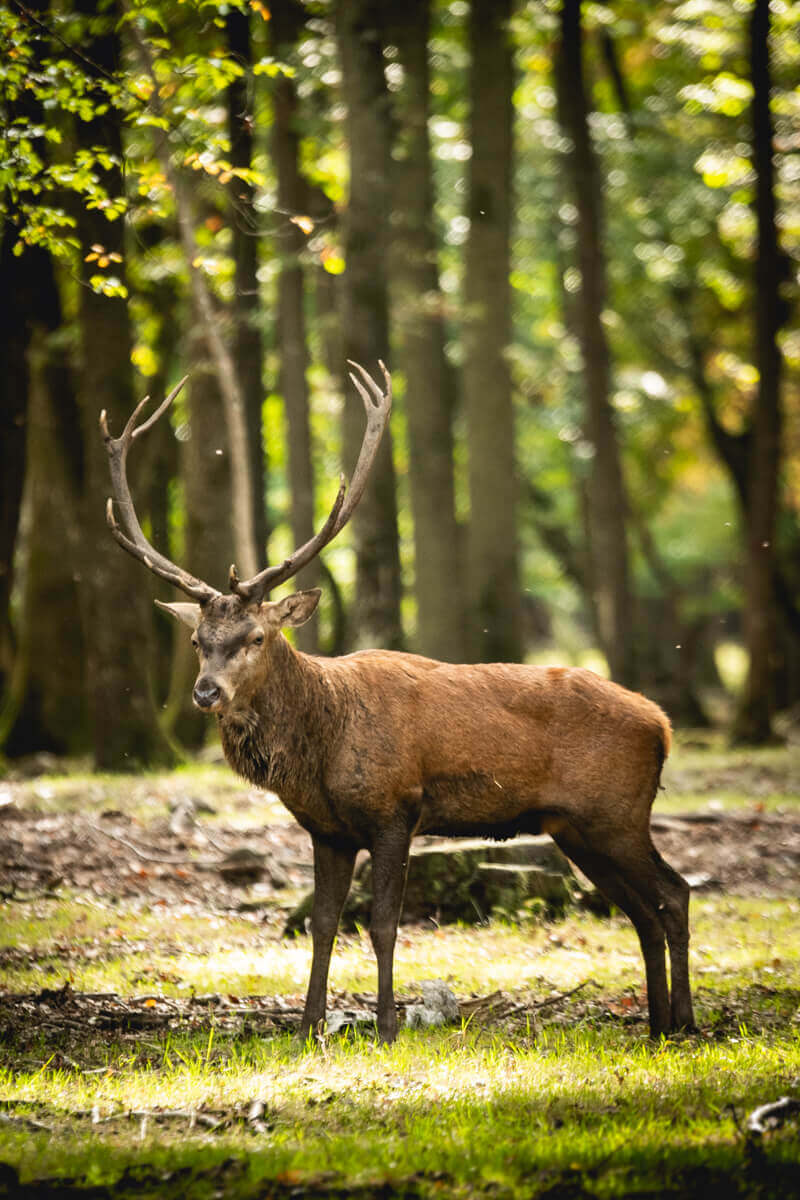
<point>113,949</point>
<point>571,1095</point>
<point>482,1108</point>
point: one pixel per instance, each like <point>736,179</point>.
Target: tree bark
<point>209,315</point>
<point>247,339</point>
<point>50,670</point>
<point>13,417</point>
<point>607,497</point>
<point>753,723</point>
<point>375,619</point>
<point>418,310</point>
<point>206,469</point>
<point>492,544</point>
<point>287,21</point>
<point>116,605</point>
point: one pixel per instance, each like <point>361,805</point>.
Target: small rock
<point>242,866</point>
<point>340,1018</point>
<point>439,1006</point>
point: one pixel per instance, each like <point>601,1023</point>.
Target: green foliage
<point>669,89</point>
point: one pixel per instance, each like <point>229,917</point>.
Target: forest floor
<point>148,1000</point>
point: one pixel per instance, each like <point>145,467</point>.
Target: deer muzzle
<point>207,694</point>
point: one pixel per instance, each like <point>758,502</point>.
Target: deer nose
<point>205,693</point>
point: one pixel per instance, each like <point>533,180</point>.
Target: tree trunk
<point>753,723</point>
<point>209,315</point>
<point>116,606</point>
<point>13,417</point>
<point>287,21</point>
<point>607,498</point>
<point>206,469</point>
<point>376,611</point>
<point>418,310</point>
<point>51,702</point>
<point>247,340</point>
<point>492,547</point>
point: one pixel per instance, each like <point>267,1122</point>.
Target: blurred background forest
<point>572,230</point>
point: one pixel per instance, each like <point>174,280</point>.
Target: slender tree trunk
<point>607,498</point>
<point>492,546</point>
<point>287,21</point>
<point>419,317</point>
<point>365,324</point>
<point>13,417</point>
<point>753,720</point>
<point>247,339</point>
<point>52,711</point>
<point>209,314</point>
<point>206,471</point>
<point>116,606</point>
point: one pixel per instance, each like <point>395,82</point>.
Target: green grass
<point>567,1100</point>
<point>174,953</point>
<point>482,1109</point>
<point>486,1105</point>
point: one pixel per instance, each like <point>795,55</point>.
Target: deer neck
<point>277,737</point>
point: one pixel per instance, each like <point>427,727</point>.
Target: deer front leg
<point>333,870</point>
<point>389,870</point>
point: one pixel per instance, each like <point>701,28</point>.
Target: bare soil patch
<point>180,856</point>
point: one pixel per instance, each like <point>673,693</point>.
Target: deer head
<point>233,634</point>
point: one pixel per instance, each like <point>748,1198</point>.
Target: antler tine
<point>131,537</point>
<point>174,576</point>
<point>162,408</point>
<point>378,398</point>
<point>378,405</point>
<point>257,587</point>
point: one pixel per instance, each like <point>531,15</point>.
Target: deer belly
<point>477,805</point>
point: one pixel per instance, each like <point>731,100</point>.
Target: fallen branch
<point>774,1113</point>
<point>26,1122</point>
<point>564,995</point>
<point>201,864</point>
<point>145,1114</point>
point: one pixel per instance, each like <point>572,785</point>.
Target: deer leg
<point>673,891</point>
<point>333,870</point>
<point>675,917</point>
<point>389,871</point>
<point>617,886</point>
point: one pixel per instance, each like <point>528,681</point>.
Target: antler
<point>131,538</point>
<point>378,405</point>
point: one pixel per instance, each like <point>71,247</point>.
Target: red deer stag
<point>369,749</point>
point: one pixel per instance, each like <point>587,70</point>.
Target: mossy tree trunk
<point>287,22</point>
<point>608,504</point>
<point>493,588</point>
<point>753,723</point>
<point>375,619</point>
<point>115,590</point>
<point>419,316</point>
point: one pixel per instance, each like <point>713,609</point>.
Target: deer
<point>368,750</point>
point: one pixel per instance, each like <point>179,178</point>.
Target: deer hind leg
<point>333,870</point>
<point>390,852</point>
<point>656,883</point>
<point>617,886</point>
<point>673,908</point>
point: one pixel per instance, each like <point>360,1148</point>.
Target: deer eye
<point>194,640</point>
<point>258,640</point>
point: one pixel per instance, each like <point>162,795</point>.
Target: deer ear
<point>295,609</point>
<point>188,613</point>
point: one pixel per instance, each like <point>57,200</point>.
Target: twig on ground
<point>27,1122</point>
<point>202,864</point>
<point>775,1113</point>
<point>564,995</point>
